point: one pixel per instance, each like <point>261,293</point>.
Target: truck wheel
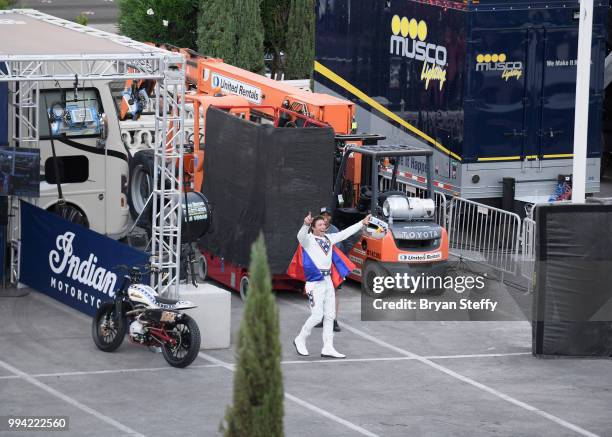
<point>141,181</point>
<point>372,270</point>
<point>244,287</point>
<point>70,213</point>
<point>201,268</point>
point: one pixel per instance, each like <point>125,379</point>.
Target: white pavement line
<point>330,416</point>
<point>345,360</point>
<point>432,357</point>
<point>114,371</point>
<point>104,372</point>
<point>460,377</point>
<point>456,357</point>
<point>70,400</point>
<point>299,401</point>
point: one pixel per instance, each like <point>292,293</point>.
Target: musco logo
<point>498,62</point>
<point>409,40</point>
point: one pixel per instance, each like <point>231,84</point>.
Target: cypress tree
<point>217,29</point>
<point>257,409</point>
<point>274,15</point>
<point>159,21</point>
<point>250,41</point>
<point>299,58</point>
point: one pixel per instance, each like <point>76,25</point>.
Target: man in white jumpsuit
<point>321,294</point>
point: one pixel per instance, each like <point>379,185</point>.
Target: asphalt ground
<point>399,379</point>
<point>421,378</point>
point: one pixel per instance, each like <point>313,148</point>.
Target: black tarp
<point>261,178</point>
<point>573,281</point>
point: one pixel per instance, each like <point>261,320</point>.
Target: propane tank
<point>407,208</point>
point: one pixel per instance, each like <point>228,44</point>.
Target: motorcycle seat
<point>173,304</point>
<point>165,301</point>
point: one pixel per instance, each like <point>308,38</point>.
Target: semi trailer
<point>489,85</point>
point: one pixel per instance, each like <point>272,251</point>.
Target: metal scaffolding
<point>25,133</point>
<point>168,179</point>
<point>133,60</point>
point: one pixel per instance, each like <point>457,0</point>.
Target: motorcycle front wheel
<point>108,328</point>
<point>187,336</point>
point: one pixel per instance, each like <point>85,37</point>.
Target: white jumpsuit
<point>321,294</point>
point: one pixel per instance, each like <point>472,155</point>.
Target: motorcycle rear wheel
<point>187,335</point>
<point>108,329</point>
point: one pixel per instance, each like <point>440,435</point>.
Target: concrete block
<point>213,314</point>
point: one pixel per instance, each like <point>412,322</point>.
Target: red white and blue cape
<point>304,269</point>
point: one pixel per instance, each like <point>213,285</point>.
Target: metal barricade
<point>528,248</point>
<point>414,191</point>
<point>484,234</point>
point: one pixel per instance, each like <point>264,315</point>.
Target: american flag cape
<point>303,268</point>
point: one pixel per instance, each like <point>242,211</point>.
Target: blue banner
<point>69,262</point>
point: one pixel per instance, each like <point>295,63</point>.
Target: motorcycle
<point>152,320</point>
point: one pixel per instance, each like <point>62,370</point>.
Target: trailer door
<point>496,97</point>
<point>559,92</point>
<point>558,98</point>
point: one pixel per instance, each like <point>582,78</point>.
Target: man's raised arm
<point>345,233</point>
<point>303,232</point>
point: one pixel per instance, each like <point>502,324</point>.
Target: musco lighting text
<point>408,40</point>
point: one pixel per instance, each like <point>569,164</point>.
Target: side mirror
<point>103,131</point>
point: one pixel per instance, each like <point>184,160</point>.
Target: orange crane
<point>257,98</point>
<point>212,76</point>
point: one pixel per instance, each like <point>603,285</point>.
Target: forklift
<point>402,236</point>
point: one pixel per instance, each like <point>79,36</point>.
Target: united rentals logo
<point>409,40</point>
<point>498,62</point>
<point>233,86</point>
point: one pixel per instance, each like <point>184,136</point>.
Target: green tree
<point>6,4</point>
<point>250,41</point>
<point>299,57</point>
<point>160,21</point>
<point>274,15</point>
<point>257,410</point>
<point>217,35</point>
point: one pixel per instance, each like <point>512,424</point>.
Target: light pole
<point>581,121</point>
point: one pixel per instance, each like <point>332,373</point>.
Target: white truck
<point>73,116</point>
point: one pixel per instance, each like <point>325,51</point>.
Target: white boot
<point>300,345</point>
<point>328,351</point>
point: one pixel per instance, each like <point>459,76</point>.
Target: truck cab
<point>81,150</point>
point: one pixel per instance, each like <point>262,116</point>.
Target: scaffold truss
<point>131,60</point>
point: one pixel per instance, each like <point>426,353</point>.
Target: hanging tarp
<point>259,178</point>
<point>572,302</point>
